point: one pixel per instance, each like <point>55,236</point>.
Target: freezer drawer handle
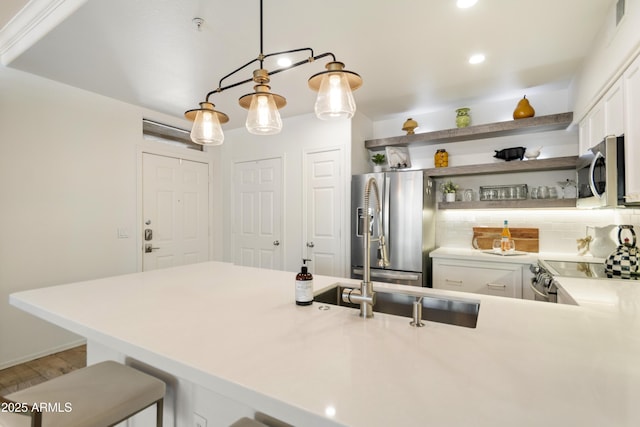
<point>453,282</point>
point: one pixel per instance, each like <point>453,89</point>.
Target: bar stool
<point>99,395</point>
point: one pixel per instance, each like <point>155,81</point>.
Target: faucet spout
<point>365,296</point>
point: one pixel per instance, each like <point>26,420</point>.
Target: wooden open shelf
<point>510,204</point>
<point>556,163</point>
<point>489,130</point>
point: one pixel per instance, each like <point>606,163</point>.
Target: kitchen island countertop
<point>237,332</point>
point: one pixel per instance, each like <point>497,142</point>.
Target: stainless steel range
<point>545,286</point>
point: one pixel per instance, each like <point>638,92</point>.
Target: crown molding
<point>32,23</point>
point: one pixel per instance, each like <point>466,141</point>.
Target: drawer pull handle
<point>453,282</point>
<point>496,285</point>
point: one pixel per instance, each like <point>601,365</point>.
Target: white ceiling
<point>411,54</point>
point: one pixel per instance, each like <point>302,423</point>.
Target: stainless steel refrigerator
<point>408,220</point>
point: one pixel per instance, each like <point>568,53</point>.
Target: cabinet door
<point>584,137</point>
<point>499,279</point>
<point>614,110</point>
<point>596,125</point>
<point>632,130</point>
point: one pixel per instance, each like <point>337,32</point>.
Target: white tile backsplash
<point>559,228</point>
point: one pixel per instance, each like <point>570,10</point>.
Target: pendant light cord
<point>261,57</point>
<point>261,35</point>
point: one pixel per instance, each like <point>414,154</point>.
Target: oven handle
<point>533,288</point>
<point>592,184</point>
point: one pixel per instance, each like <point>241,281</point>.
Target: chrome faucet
<point>365,295</point>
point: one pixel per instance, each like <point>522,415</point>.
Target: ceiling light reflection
<point>330,411</point>
<point>465,4</point>
<point>284,62</point>
<point>476,59</point>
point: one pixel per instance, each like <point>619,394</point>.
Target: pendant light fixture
<point>206,128</point>
<point>263,106</point>
<point>335,100</point>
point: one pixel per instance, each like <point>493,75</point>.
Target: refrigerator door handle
<point>385,215</point>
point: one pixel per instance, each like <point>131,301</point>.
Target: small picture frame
<point>398,157</point>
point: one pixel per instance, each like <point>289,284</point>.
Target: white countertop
<point>521,258</point>
<point>237,331</point>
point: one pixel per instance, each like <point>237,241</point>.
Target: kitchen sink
<point>434,309</point>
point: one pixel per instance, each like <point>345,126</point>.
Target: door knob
<point>148,248</point>
<point>276,243</point>
<point>310,244</point>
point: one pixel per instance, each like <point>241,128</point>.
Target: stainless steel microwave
<point>601,175</point>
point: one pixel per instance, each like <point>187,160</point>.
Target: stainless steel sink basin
<point>434,309</point>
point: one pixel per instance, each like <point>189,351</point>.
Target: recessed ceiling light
<point>465,4</point>
<point>284,62</point>
<point>476,59</point>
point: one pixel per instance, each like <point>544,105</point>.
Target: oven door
<point>543,287</point>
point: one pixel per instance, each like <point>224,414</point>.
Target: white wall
<point>555,144</point>
<point>544,100</point>
<point>68,170</point>
<point>298,134</point>
<point>558,228</point>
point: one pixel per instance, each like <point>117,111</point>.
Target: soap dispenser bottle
<point>304,285</point>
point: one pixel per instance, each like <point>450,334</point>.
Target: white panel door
<point>323,215</point>
<point>257,224</point>
<point>175,205</point>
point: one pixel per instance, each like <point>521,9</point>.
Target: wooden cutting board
<point>526,239</point>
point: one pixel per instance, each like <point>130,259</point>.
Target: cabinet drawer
<point>480,278</point>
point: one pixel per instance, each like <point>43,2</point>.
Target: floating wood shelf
<point>510,204</point>
<point>490,130</point>
<point>556,163</point>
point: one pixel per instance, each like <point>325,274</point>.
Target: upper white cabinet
<point>605,118</point>
<point>614,110</point>
<point>617,113</point>
<point>594,124</point>
<point>631,84</point>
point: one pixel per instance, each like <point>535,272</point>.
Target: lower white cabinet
<point>489,278</point>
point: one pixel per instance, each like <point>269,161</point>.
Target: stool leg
<point>36,419</point>
<point>159,412</point>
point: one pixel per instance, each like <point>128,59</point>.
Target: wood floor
<point>39,370</point>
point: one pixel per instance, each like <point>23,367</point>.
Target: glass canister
<point>441,158</point>
<point>463,117</point>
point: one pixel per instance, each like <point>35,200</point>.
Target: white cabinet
<point>631,85</point>
<point>613,102</point>
<point>489,278</point>
<point>605,118</point>
<point>595,123</point>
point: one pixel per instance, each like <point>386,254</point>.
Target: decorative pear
<point>524,109</point>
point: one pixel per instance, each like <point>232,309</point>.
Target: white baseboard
<point>43,353</point>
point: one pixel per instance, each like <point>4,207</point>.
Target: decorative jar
<point>463,119</point>
<point>441,158</point>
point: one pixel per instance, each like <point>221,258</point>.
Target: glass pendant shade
<point>263,117</point>
<point>335,98</point>
<point>206,128</point>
